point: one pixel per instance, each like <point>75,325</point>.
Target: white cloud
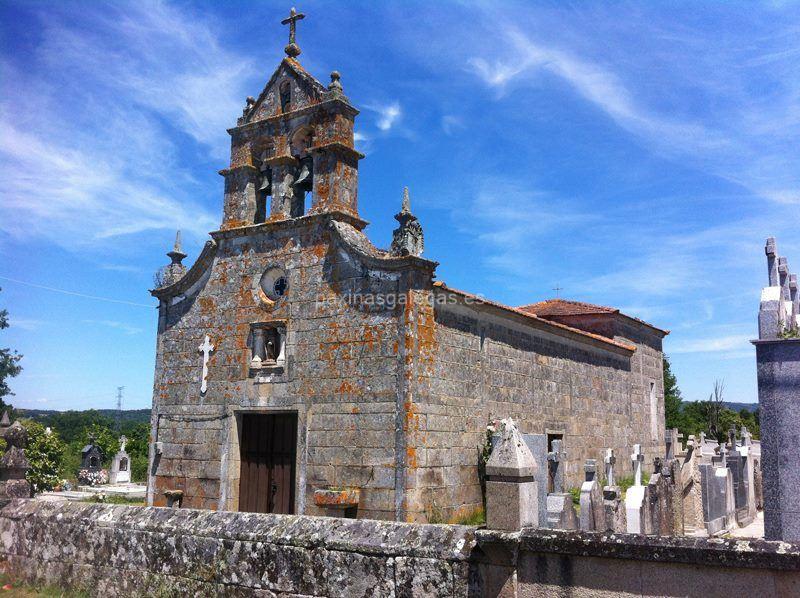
<point>451,124</point>
<point>87,139</point>
<point>121,326</point>
<point>749,138</point>
<point>714,344</point>
<point>388,115</point>
<point>28,324</point>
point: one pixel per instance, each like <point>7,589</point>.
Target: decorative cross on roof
<point>558,289</point>
<point>292,49</point>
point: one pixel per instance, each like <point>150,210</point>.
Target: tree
<point>672,398</point>
<point>44,453</point>
<point>9,364</point>
<point>714,409</point>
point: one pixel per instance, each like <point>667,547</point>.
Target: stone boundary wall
<point>112,550</point>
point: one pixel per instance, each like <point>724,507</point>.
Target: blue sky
<point>636,155</point>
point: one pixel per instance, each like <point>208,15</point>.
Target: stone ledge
<point>737,552</point>
<point>364,536</point>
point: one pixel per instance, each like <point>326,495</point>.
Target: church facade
<point>298,364</point>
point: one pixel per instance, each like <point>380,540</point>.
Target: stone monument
<point>121,465</point>
<point>778,363</point>
<point>511,493</point>
<point>560,510</point>
<point>14,464</point>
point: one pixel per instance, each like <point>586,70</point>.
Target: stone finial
<point>248,105</point>
<point>175,270</point>
<point>772,261</point>
<point>408,238</point>
<point>335,84</point>
<point>511,457</point>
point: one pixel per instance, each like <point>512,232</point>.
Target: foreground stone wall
<point>119,550</point>
<point>109,550</point>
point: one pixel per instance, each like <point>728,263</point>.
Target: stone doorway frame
<point>231,456</point>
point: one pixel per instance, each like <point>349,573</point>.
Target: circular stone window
<point>274,283</point>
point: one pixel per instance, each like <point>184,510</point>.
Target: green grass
<point>475,517</point>
<point>22,590</point>
<point>116,500</point>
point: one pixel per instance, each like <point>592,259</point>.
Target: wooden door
<point>268,449</point>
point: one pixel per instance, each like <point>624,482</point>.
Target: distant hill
<point>136,416</point>
<point>751,407</point>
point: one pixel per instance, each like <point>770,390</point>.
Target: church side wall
<point>340,374</point>
<point>487,368</point>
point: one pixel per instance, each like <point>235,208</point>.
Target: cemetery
<point>304,443</point>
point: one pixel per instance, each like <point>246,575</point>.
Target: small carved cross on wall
<point>205,349</point>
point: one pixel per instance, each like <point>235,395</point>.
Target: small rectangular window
<point>653,412</point>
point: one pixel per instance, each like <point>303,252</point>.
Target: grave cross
<point>609,460</point>
<point>638,458</point>
<point>747,437</point>
<point>205,349</point>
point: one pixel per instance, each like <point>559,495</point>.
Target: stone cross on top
<point>638,458</point>
<point>609,460</point>
<point>205,349</point>
<point>292,49</point>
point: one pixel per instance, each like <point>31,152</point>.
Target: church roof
<point>553,308</point>
<point>565,307</point>
<point>555,327</point>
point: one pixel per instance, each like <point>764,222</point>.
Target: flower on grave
<point>92,478</point>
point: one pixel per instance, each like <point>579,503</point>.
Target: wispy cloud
<point>714,344</point>
<point>117,325</point>
<point>451,123</point>
<point>28,324</point>
<point>388,114</point>
<point>748,139</point>
<point>87,139</point>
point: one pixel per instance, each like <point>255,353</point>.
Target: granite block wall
<point>108,550</point>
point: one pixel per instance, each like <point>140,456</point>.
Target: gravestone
<point>560,509</point>
<point>537,443</point>
<point>121,465</point>
<point>591,500</point>
<point>636,497</point>
<point>673,444</point>
<point>719,513</point>
<point>692,506</point>
<point>660,493</point>
<point>613,507</point>
<point>511,492</point>
<point>740,462</point>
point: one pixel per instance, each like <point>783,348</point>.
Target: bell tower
<point>292,149</point>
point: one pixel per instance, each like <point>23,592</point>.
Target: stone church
<point>301,369</point>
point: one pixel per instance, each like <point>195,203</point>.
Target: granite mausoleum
<point>298,365</point>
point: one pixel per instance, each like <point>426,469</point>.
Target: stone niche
<point>267,343</point>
